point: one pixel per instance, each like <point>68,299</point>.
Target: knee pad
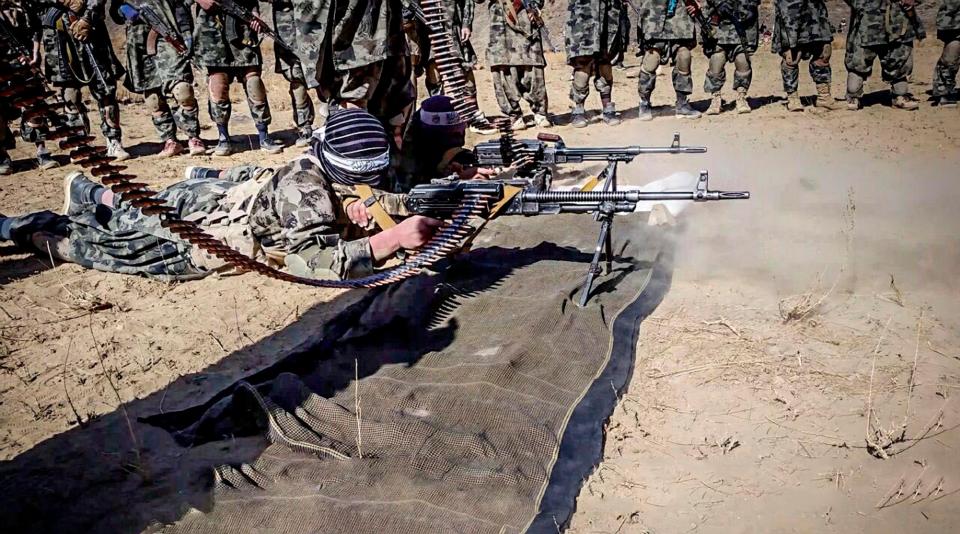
<point>790,60</point>
<point>742,63</point>
<point>651,60</point>
<point>253,85</point>
<point>152,101</point>
<point>183,94</point>
<point>682,60</point>
<point>299,94</point>
<point>218,83</point>
<point>951,54</point>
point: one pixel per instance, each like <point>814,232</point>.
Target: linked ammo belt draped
<point>27,91</point>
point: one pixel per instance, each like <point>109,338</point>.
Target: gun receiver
<point>247,17</point>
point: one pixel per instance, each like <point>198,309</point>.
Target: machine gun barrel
<point>625,152</point>
<point>597,197</point>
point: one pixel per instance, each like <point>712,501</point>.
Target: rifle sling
<point>380,215</point>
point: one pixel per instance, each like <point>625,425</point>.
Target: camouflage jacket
<point>878,22</point>
<point>513,43</point>
<point>593,27</point>
<point>737,28</point>
<point>655,25</point>
<point>297,211</point>
<point>65,59</point>
<point>221,40</point>
<point>948,17</point>
<point>354,33</point>
<point>144,71</point>
<point>800,22</point>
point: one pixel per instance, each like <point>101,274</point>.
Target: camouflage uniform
<point>223,43</point>
<point>67,66</point>
<point>515,56</point>
<point>289,65</point>
<point>665,38</point>
<point>257,211</point>
<point>357,55</point>
<point>27,27</point>
<point>879,28</point>
<point>165,74</point>
<point>593,39</point>
<point>802,30</point>
<point>735,40</point>
<point>948,31</point>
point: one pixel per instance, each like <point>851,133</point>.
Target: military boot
<point>742,105</point>
<point>610,117</point>
<point>825,99</point>
<point>716,104</point>
<point>578,117</point>
<point>905,102</point>
<point>793,102</point>
<point>948,100</point>
<point>645,112</point>
<point>684,110</point>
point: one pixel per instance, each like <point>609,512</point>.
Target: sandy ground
<point>798,376</point>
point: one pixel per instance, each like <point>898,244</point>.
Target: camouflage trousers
<point>716,70</point>
<point>124,240</point>
<point>659,53</point>
<point>106,97</point>
<point>818,56</point>
<point>185,115</point>
<point>383,88</point>
<point>945,73</point>
<point>300,101</point>
<point>513,82</point>
<point>598,67</point>
<point>220,110</point>
<point>896,62</point>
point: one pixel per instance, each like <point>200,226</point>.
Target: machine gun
<point>530,191</point>
<point>247,17</point>
<point>536,22</point>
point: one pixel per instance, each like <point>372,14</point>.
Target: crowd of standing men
<point>369,54</point>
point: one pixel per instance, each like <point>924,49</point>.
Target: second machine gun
<point>530,190</point>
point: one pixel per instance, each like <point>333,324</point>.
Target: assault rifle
<point>910,10</point>
<point>50,21</point>
<point>158,27</point>
<point>706,28</point>
<point>530,191</point>
<point>247,17</point>
<point>536,22</point>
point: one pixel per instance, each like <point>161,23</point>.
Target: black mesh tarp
<point>479,407</point>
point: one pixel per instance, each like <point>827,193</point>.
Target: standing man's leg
<point>742,77</point>
<point>220,108</point>
<point>715,78</point>
<point>822,74</point>
<point>106,97</point>
<point>260,109</point>
<point>603,82</point>
<point>303,112</point>
<point>506,88</point>
<point>580,88</point>
<point>6,142</point>
<point>682,80</point>
<point>790,71</point>
<point>163,121</point>
<point>859,63</point>
<point>896,64</point>
<point>647,80</point>
<point>187,115</point>
<point>945,72</point>
<point>535,92</point>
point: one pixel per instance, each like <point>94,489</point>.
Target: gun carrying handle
<point>380,215</point>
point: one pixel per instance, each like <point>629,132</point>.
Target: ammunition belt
<point>28,91</point>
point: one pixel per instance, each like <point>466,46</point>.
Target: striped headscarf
<point>352,147</point>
